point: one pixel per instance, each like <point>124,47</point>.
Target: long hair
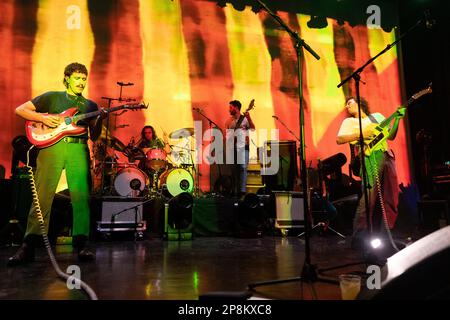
<point>71,68</point>
<point>153,132</point>
<point>364,104</point>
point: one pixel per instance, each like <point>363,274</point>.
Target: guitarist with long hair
<point>237,143</point>
<point>380,160</point>
<point>70,153</point>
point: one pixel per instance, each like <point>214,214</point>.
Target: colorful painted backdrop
<point>189,53</point>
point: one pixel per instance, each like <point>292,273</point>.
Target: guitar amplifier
<point>121,214</point>
<point>289,209</point>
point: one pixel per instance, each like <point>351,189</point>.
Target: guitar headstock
<point>250,106</point>
<point>135,106</point>
<point>423,92</point>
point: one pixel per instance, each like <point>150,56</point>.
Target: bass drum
<point>176,181</point>
<point>130,182</point>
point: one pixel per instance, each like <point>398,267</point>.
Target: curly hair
<point>71,68</point>
<point>364,104</point>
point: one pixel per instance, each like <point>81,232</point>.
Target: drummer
<point>149,140</point>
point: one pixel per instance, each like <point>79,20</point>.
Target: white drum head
<point>130,182</point>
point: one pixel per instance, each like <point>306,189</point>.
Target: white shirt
<point>351,126</point>
<point>241,134</point>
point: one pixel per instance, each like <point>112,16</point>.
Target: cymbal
<point>112,141</point>
<point>134,153</point>
<point>182,133</point>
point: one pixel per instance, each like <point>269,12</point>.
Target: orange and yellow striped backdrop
<point>188,53</point>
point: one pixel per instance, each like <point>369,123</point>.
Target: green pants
<point>74,157</point>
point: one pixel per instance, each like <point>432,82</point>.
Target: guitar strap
<point>372,118</point>
<point>354,162</point>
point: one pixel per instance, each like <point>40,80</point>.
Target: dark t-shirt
<point>55,102</point>
<point>154,143</point>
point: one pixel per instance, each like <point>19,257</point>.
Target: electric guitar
<point>43,136</point>
<point>241,118</point>
<point>382,130</point>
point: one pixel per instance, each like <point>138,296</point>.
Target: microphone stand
<point>105,149</point>
<point>120,99</point>
<point>308,273</point>
<point>211,123</point>
<point>114,215</point>
<point>293,134</point>
<point>110,100</point>
<point>289,130</point>
<point>357,77</point>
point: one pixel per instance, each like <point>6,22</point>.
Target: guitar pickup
<point>377,139</point>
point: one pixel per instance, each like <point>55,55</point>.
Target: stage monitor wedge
<point>421,271</point>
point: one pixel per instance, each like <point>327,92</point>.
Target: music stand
<point>308,274</point>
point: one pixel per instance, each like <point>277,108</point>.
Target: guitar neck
<point>92,114</point>
<point>386,121</point>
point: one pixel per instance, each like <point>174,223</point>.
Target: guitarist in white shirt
<point>70,153</point>
<point>381,159</point>
<point>237,141</point>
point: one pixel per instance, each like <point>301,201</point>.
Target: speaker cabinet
<point>419,271</point>
<point>289,209</point>
<point>120,214</point>
<point>284,179</point>
<point>174,232</point>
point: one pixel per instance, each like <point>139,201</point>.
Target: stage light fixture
<point>239,6</point>
<point>249,216</point>
<point>256,8</point>
<point>376,243</point>
<point>317,22</point>
<point>178,217</point>
<point>222,3</point>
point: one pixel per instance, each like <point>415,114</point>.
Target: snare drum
<point>176,181</point>
<point>156,159</point>
<point>130,182</point>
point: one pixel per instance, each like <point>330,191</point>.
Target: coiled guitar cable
<point>91,294</point>
<point>383,208</point>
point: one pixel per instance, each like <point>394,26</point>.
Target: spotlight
<point>256,8</point>
<point>376,243</point>
<point>333,164</point>
<point>178,217</point>
<point>239,6</point>
<point>222,3</point>
<point>317,22</point>
<point>249,216</point>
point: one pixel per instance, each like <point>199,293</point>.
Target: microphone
<point>122,126</point>
<point>123,84</point>
<point>429,22</point>
<point>275,117</point>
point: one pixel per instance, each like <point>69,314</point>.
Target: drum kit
<point>147,172</point>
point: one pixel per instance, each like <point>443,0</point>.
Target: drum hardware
<point>175,181</point>
<point>182,133</point>
<point>130,182</point>
<point>156,159</point>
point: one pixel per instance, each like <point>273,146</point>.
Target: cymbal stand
<point>105,147</point>
<point>216,126</point>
